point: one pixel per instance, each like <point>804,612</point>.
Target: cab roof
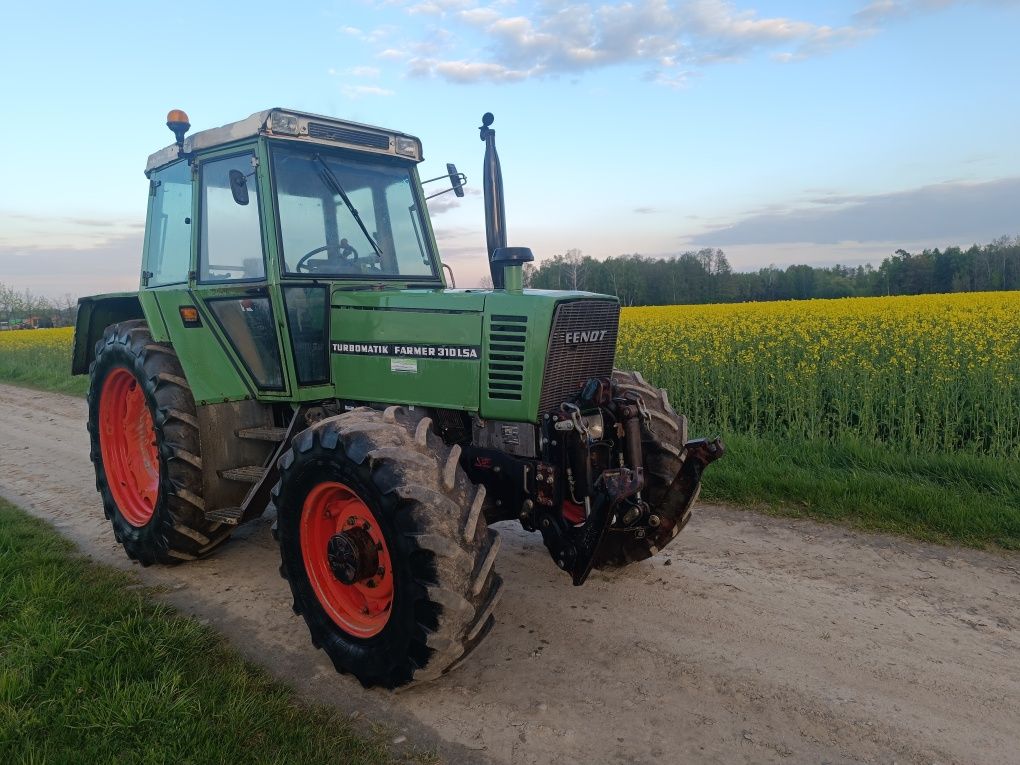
<point>300,126</point>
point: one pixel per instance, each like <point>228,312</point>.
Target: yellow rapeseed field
<point>932,373</point>
<point>928,373</point>
<point>40,358</point>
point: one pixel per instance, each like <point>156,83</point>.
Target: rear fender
<point>95,314</point>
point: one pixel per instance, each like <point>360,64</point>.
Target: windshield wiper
<point>331,180</point>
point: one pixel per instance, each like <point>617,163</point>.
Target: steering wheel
<point>345,253</point>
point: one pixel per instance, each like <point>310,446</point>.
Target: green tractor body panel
<point>470,350</point>
<point>407,347</point>
<point>479,351</point>
<point>211,365</point>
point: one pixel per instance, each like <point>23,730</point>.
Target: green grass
<point>93,672</point>
<point>967,499</point>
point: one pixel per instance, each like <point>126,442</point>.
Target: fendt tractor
<point>296,350</point>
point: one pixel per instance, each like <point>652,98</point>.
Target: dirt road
<point>749,640</point>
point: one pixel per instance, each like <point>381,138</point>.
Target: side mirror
<point>456,179</point>
<point>239,187</point>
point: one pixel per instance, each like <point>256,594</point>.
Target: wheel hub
<point>346,558</point>
<point>352,555</point>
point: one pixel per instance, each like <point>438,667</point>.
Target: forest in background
<point>695,277</point>
<point>705,276</point>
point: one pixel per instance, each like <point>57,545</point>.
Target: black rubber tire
<point>662,444</point>
<point>178,530</point>
<point>442,552</point>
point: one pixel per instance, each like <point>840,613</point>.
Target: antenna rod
<point>492,188</point>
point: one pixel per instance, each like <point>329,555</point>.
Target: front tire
<point>383,543</point>
<point>662,440</point>
<point>145,448</point>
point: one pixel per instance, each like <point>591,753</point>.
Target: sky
<point>781,131</point>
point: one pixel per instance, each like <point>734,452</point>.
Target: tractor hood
<point>484,351</point>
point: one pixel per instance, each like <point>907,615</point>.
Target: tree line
<point>24,308</point>
<point>702,276</point>
<point>705,276</point>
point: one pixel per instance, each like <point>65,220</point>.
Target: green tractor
<point>296,350</point>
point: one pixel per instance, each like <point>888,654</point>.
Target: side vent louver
<point>507,341</point>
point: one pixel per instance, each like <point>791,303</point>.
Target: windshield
<point>341,216</point>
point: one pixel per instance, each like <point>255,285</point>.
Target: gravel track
<point>750,639</point>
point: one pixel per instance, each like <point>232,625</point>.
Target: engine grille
<point>569,365</point>
<point>508,337</point>
<point>356,137</point>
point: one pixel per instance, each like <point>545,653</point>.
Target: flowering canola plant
<point>41,344</point>
<point>40,358</point>
<point>928,373</point>
<point>924,373</point>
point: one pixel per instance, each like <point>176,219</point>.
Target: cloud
<point>960,212</point>
<point>447,234</point>
<point>878,11</point>
<point>24,233</point>
<point>554,39</point>
<point>437,7</point>
<point>511,42</point>
<point>445,203</point>
<point>357,91</point>
<point>368,36</point>
<point>722,32</point>
<point>55,269</point>
<point>646,210</point>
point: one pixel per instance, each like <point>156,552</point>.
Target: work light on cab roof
<point>295,349</point>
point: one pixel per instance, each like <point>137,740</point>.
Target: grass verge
<point>951,498</point>
<point>91,671</point>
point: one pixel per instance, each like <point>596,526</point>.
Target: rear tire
<point>423,515</point>
<point>662,442</point>
<point>151,489</point>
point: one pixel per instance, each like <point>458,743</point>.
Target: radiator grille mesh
<point>569,365</point>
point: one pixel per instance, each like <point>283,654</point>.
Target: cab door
<point>229,279</point>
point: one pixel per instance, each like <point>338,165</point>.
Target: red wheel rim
<point>363,608</point>
<point>127,441</point>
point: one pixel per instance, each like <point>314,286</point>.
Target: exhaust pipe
<point>506,264</point>
<point>492,189</point>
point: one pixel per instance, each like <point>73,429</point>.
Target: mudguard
<point>95,314</point>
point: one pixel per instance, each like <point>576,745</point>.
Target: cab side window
<point>231,247</point>
<point>168,239</point>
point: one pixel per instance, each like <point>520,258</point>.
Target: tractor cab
<point>251,224</point>
<point>288,195</point>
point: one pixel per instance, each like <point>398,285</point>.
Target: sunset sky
<point>782,132</point>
